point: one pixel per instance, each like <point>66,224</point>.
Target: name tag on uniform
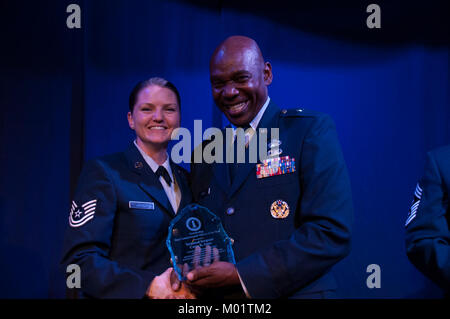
<point>141,205</point>
<point>275,166</point>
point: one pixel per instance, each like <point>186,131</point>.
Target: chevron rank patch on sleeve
<point>414,205</point>
<point>81,215</point>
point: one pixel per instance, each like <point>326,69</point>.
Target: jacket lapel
<point>148,181</point>
<point>220,170</point>
<point>186,195</point>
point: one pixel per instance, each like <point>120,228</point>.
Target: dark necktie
<point>161,171</point>
<point>232,167</point>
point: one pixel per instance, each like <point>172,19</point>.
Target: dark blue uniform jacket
<point>292,256</point>
<point>122,248</point>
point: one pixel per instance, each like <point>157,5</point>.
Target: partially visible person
<point>427,224</point>
<point>124,203</point>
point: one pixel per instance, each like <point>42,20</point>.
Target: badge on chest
<point>141,205</point>
<point>279,209</point>
<point>275,166</point>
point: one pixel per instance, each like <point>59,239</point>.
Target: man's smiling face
<point>239,79</point>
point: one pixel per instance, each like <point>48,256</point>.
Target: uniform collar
<point>148,181</point>
<point>151,162</point>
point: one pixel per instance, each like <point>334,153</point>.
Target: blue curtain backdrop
<point>64,100</point>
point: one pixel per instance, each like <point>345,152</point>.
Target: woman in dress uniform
<point>124,203</point>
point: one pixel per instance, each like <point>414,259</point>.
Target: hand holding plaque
<point>196,237</point>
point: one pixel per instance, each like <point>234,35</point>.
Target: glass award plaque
<point>196,238</point>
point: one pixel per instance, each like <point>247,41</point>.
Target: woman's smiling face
<point>155,115</point>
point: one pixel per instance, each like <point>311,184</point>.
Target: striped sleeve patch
<point>80,215</point>
<point>415,205</point>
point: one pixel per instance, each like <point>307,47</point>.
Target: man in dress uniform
<point>290,215</point>
<point>427,225</point>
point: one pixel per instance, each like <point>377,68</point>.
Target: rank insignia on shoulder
<point>81,215</point>
<point>415,205</point>
<point>275,166</point>
<point>279,209</point>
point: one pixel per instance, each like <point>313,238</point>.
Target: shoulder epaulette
<point>297,112</point>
